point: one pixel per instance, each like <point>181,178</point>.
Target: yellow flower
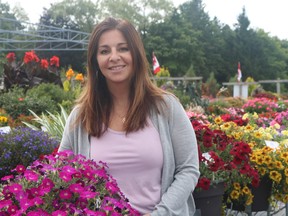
<point>277,126</point>
<point>257,134</point>
<point>245,116</point>
<point>255,115</point>
<point>286,172</point>
<point>259,160</point>
<point>238,135</point>
<point>275,176</point>
<point>284,155</point>
<point>248,128</point>
<point>270,166</point>
<point>284,132</point>
<point>3,119</point>
<point>218,120</point>
<point>278,165</point>
<point>234,194</point>
<point>262,171</point>
<point>267,159</point>
<point>237,186</point>
<point>249,201</point>
<point>225,126</point>
<point>246,190</point>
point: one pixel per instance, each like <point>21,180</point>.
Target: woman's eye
<point>103,52</point>
<point>124,49</point>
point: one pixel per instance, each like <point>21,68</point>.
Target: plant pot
<point>209,202</point>
<point>261,195</point>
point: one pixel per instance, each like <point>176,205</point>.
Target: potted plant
<point>62,184</point>
<point>224,159</point>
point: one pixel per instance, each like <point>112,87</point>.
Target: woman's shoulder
<point>170,99</point>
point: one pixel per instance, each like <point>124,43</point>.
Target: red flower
<point>54,61</point>
<point>30,56</point>
<point>204,183</point>
<point>10,57</point>
<point>44,63</point>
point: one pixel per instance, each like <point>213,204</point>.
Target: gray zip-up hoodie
<point>180,153</point>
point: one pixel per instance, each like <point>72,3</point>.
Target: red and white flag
<point>156,66</point>
<point>239,73</point>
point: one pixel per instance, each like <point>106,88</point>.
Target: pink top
<point>135,161</point>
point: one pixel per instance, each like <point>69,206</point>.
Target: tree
<point>142,13</point>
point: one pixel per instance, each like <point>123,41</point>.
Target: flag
<point>239,73</point>
<point>156,66</point>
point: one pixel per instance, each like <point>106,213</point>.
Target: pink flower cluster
<point>65,184</point>
<point>260,105</point>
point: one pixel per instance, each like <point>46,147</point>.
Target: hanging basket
<point>209,202</point>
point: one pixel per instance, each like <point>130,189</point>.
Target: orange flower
<point>69,73</point>
<point>44,63</point>
<point>30,56</point>
<point>79,77</point>
<point>54,61</point>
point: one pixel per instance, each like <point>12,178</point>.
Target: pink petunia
<point>20,169</point>
<point>16,188</point>
<point>59,213</point>
<point>5,203</point>
<point>31,175</point>
<point>76,188</point>
<point>65,176</point>
<point>65,194</point>
<point>5,178</point>
<point>12,209</point>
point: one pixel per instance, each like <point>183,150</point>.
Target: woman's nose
<point>114,56</point>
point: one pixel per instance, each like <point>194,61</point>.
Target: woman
<point>140,131</point>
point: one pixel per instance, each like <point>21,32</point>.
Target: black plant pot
<point>261,195</point>
<point>209,202</point>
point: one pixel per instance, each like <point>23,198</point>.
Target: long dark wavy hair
<point>95,102</point>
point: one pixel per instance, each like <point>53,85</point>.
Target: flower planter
<point>209,202</point>
<point>261,198</point>
<point>262,195</point>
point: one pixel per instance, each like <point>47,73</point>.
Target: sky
<point>271,16</point>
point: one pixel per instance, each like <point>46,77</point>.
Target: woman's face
<point>114,58</point>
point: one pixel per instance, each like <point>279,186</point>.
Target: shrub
<point>23,146</point>
<point>50,90</point>
<point>16,103</point>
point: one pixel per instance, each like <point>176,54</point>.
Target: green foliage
<point>212,86</point>
<point>251,87</point>
<point>52,91</point>
<point>52,123</point>
<point>23,146</point>
<point>15,103</point>
<point>217,107</point>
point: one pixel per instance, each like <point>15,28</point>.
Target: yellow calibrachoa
<point>218,120</point>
